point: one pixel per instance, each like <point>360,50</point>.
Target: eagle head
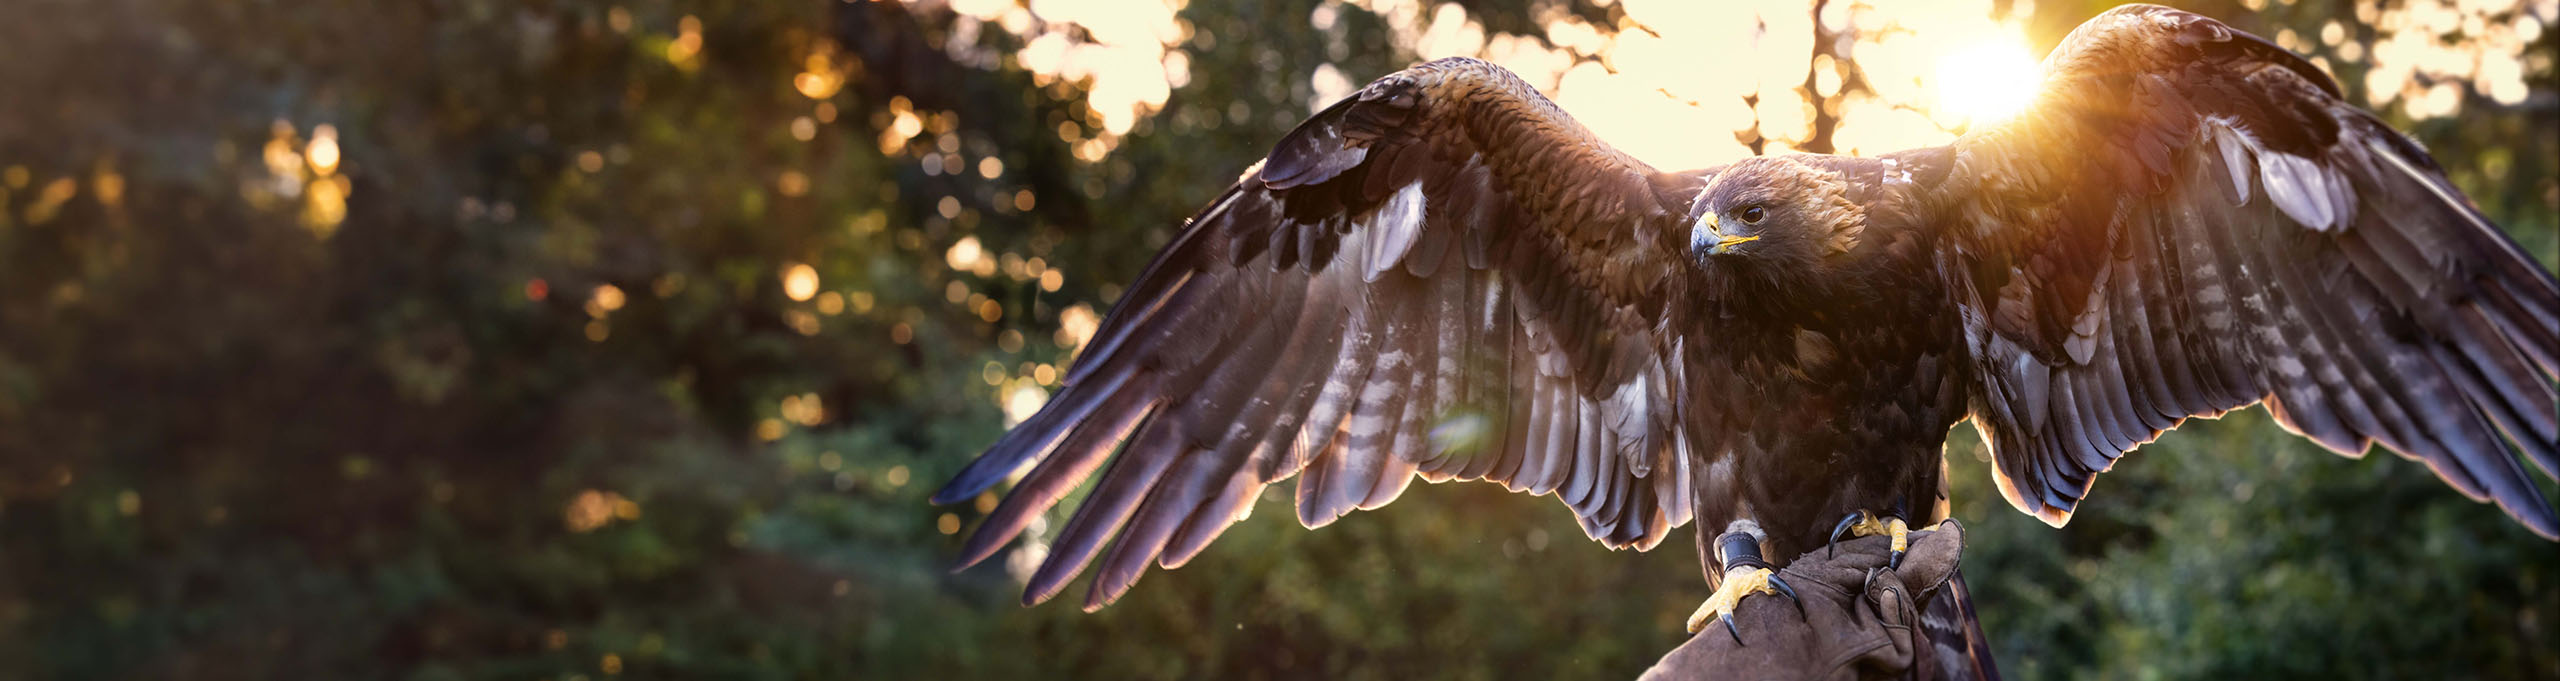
<point>1775,224</point>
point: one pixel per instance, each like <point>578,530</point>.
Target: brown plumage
<point>1444,276</point>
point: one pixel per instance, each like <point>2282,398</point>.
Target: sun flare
<point>1987,82</point>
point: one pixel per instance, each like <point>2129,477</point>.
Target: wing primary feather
<point>2536,338</point>
<point>1083,451</point>
<point>2439,406</point>
<point>1033,438</point>
<point>2515,391</point>
<point>1171,502</point>
<point>2337,366</point>
<point>1124,484</point>
<point>2395,263</point>
<point>1180,346</point>
<point>2484,369</point>
<point>1176,302</point>
<point>1238,403</point>
<point>2507,258</point>
<point>1324,327</point>
<point>2369,358</point>
<point>1233,503</point>
<point>2346,370</point>
<point>2479,449</point>
<point>1246,363</point>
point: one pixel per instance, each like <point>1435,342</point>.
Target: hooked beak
<point>1712,240</point>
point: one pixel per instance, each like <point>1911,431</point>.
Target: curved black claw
<point>1788,591</point>
<point>1863,523</point>
<point>1900,530</point>
<point>1832,548</point>
<point>1783,589</point>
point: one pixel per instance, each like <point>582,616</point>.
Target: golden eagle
<point>1444,276</point>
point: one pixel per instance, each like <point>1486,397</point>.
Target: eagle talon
<point>1831,549</point>
<point>1901,534</point>
<point>1740,582</point>
<point>1865,524</point>
<point>1787,591</point>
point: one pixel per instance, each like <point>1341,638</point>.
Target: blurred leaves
<point>628,340</point>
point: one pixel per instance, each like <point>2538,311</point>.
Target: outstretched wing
<point>1441,275</point>
<point>2190,221</point>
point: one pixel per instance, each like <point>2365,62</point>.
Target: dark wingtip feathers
<point>1316,151</point>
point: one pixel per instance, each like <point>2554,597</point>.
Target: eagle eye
<point>1752,215</point>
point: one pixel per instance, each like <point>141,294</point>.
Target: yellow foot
<point>1865,524</point>
<point>1739,583</point>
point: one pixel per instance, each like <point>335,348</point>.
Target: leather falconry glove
<point>1856,619</point>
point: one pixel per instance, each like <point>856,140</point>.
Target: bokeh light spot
<point>800,281</point>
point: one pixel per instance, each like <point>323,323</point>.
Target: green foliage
<point>244,437</point>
